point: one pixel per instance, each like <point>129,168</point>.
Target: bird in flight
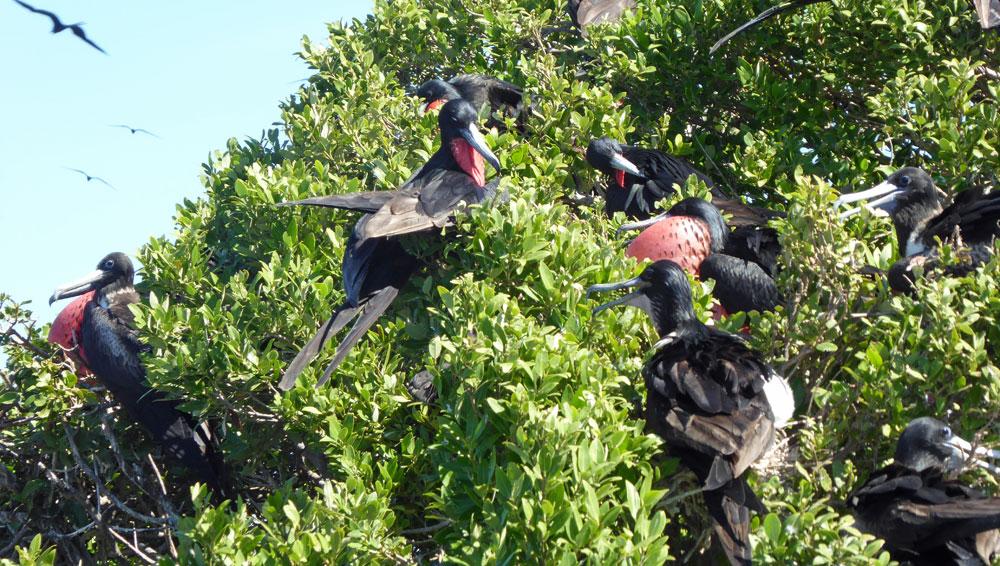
<point>58,26</point>
<point>91,177</point>
<point>134,130</point>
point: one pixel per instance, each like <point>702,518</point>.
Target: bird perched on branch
<point>643,177</point>
<point>924,518</point>
<point>714,401</point>
<point>743,263</point>
<point>58,26</point>
<point>971,223</point>
<point>586,13</point>
<point>504,98</point>
<point>110,347</point>
<point>375,265</point>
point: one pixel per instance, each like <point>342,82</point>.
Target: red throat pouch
<point>67,325</point>
<point>434,105</point>
<point>620,177</point>
<point>469,160</point>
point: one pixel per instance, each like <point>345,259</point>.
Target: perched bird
<point>642,177</point>
<point>743,263</point>
<point>110,347</point>
<point>375,264</point>
<point>58,26</point>
<point>912,200</point>
<point>586,13</point>
<point>989,13</point>
<point>714,401</point>
<point>924,518</point>
<point>504,98</point>
<point>91,177</point>
<point>133,130</point>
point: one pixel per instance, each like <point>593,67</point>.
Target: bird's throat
<point>469,160</point>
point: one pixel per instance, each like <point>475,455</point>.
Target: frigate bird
<point>133,130</point>
<point>375,264</point>
<point>924,518</point>
<point>714,401</point>
<point>643,177</point>
<point>110,347</point>
<point>58,26</point>
<point>909,196</point>
<point>586,13</point>
<point>504,98</point>
<point>91,177</point>
<point>693,233</point>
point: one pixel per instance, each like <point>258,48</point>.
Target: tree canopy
<point>534,452</point>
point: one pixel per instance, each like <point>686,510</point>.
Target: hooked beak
<point>887,203</point>
<point>78,287</point>
<point>632,298</point>
<point>619,162</point>
<point>963,452</point>
<point>478,143</point>
<point>642,223</point>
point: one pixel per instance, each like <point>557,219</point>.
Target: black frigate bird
<point>909,196</point>
<point>112,350</point>
<point>91,177</point>
<point>375,264</point>
<point>58,26</point>
<point>133,130</point>
<point>714,401</point>
<point>924,518</point>
<point>693,233</point>
<point>504,98</point>
<point>643,177</point>
<point>586,13</point>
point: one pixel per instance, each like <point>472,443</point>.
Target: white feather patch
<point>779,397</point>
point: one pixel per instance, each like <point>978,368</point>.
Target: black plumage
<point>924,518</point>
<point>112,349</point>
<point>971,223</point>
<point>742,262</point>
<point>58,26</point>
<point>713,400</point>
<point>769,13</point>
<point>643,177</point>
<point>375,264</point>
<point>505,99</point>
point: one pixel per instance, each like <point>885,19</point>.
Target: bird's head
<point>113,272</point>
<point>606,155</point>
<point>929,443</point>
<point>662,290</point>
<point>436,93</point>
<point>468,146</point>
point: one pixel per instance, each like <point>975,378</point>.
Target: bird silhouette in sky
<point>91,177</point>
<point>134,130</point>
<point>58,26</point>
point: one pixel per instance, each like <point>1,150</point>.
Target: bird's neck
<point>118,292</point>
<point>910,219</point>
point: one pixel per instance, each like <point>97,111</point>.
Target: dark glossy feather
<point>740,285</point>
<point>585,13</point>
<point>927,519</point>
<point>770,12</point>
<point>972,215</point>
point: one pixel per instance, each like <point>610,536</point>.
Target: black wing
<point>368,201</point>
<point>588,12</point>
<point>920,514</point>
<point>759,244</point>
<point>78,31</point>
<point>772,11</point>
<point>974,216</point>
<point>740,285</point>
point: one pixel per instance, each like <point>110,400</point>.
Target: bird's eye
<point>946,432</point>
<point>109,264</point>
<point>904,180</point>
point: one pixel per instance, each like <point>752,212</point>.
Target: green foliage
<point>534,451</point>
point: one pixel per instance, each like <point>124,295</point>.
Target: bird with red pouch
<point>375,265</point>
<point>504,99</point>
<point>100,322</point>
<point>713,400</point>
<point>742,262</point>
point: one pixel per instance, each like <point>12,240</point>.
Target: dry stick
<point>167,507</point>
<point>17,538</point>
<point>134,514</point>
<point>427,529</point>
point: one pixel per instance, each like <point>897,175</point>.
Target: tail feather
<point>372,310</point>
<point>730,509</point>
<point>337,321</point>
<point>368,201</point>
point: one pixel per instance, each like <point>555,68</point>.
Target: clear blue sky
<point>194,73</point>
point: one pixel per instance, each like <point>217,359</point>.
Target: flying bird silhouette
<point>134,130</point>
<point>91,177</point>
<point>58,26</point>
